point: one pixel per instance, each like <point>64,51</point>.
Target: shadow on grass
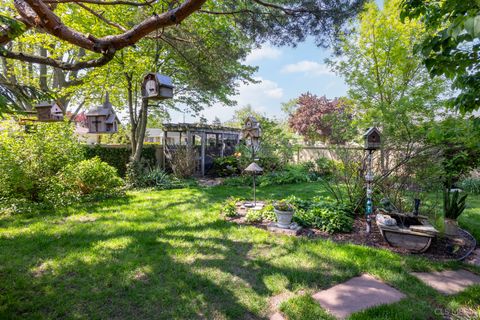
<point>167,255</point>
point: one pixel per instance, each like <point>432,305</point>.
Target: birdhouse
<point>157,86</point>
<point>49,111</point>
<point>251,129</point>
<point>254,168</point>
<point>103,119</point>
<point>372,139</point>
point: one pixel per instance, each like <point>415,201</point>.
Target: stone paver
<point>356,294</point>
<point>474,258</point>
<point>277,316</point>
<point>450,281</point>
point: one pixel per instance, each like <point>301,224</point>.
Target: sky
<point>283,74</point>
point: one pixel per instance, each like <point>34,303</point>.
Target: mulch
<point>441,249</point>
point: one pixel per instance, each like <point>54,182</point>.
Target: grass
<point>169,255</point>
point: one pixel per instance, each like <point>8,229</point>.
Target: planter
<point>451,227</point>
<point>284,218</point>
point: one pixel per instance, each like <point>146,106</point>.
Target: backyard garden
<point>364,206</point>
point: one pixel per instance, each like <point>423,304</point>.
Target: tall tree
<point>388,84</point>
<point>318,118</point>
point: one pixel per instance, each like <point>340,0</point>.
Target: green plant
<point>253,216</point>
<point>324,166</point>
<point>90,177</point>
<point>225,166</point>
<point>268,213</point>
<point>471,185</point>
<point>453,203</point>
<point>283,205</point>
<point>229,207</point>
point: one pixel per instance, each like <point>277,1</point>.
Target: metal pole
<point>254,191</point>
<point>369,179</point>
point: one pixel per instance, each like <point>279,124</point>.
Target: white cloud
<point>259,95</point>
<point>262,53</point>
<point>307,67</point>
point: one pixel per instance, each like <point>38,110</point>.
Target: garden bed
<point>439,249</point>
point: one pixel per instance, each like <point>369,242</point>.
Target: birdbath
<point>253,169</point>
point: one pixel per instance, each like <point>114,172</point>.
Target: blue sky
<point>283,74</point>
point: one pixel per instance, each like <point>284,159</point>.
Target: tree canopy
<point>451,47</point>
<point>102,28</point>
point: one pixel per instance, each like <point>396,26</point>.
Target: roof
<point>370,131</point>
<point>251,119</point>
<point>161,79</point>
<point>253,167</point>
<point>105,110</point>
<point>183,127</point>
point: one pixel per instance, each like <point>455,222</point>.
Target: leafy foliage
<point>225,166</point>
<point>451,47</point>
<point>471,185</point>
<point>45,168</point>
<point>229,207</point>
<point>90,177</point>
<point>388,85</point>
<point>323,213</point>
<point>453,203</point>
<point>119,156</point>
<point>318,118</point>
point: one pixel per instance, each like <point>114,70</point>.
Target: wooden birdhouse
<point>251,128</point>
<point>49,111</point>
<point>157,86</point>
<point>372,139</point>
<point>103,119</point>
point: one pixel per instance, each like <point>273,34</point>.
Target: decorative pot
<point>284,218</point>
<point>451,227</point>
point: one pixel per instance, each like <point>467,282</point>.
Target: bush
<point>119,157</point>
<point>253,216</point>
<point>324,214</point>
<point>90,177</point>
<point>471,185</point>
<point>229,207</point>
<point>225,166</point>
<point>30,162</point>
<point>324,166</point>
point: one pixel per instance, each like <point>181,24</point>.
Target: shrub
<point>182,160</point>
<point>30,162</point>
<point>324,166</point>
<point>453,203</point>
<point>267,212</point>
<point>253,216</point>
<point>225,166</point>
<point>229,207</point>
<point>471,185</point>
<point>324,214</point>
<point>90,177</point>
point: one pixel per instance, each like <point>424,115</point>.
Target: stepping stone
<point>356,294</point>
<point>474,258</point>
<point>450,281</point>
<point>277,316</point>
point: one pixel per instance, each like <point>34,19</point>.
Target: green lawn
<point>168,255</point>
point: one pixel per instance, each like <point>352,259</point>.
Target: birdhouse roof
<point>253,167</point>
<point>46,104</point>
<point>251,119</point>
<point>370,131</point>
<point>161,79</point>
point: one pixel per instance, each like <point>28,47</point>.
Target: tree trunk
<point>142,126</point>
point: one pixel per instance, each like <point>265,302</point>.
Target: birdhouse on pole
<point>252,130</point>
<point>372,139</point>
<point>49,111</point>
<point>103,119</point>
<point>157,87</point>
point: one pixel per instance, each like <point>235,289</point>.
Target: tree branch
<point>58,64</point>
<point>104,3</point>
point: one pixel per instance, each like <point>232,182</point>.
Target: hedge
<point>118,157</point>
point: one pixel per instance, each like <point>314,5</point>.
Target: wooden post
<point>223,145</point>
<point>164,149</point>
<point>204,138</point>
